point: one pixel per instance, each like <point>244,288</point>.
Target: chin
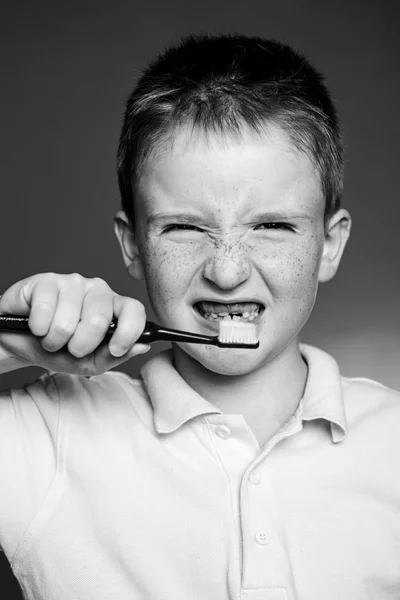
<point>231,370</point>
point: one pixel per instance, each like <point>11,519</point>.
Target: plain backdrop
<point>66,71</point>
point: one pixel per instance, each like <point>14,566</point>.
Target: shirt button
<point>255,477</point>
<point>223,432</point>
<point>261,537</point>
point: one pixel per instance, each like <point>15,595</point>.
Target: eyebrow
<point>279,216</point>
<point>189,218</point>
<point>182,217</point>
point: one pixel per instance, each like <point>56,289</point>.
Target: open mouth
<point>243,311</point>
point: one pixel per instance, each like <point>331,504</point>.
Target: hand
<point>68,317</point>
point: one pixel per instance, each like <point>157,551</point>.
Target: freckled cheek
<point>169,270</point>
<point>292,275</point>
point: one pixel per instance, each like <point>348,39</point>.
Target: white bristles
<point>237,332</point>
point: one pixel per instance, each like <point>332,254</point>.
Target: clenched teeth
<point>236,312</point>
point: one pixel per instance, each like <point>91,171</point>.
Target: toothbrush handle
<point>16,324</point>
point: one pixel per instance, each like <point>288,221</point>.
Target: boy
<point>219,473</point>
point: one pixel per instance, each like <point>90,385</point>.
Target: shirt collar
<point>175,402</point>
<point>323,394</point>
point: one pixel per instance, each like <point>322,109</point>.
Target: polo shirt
<point>115,488</point>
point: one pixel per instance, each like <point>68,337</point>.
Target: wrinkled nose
<point>228,266</point>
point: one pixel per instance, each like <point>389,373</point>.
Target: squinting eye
<point>182,227</point>
<point>276,225</point>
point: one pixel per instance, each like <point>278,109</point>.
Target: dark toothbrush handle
<point>17,324</point>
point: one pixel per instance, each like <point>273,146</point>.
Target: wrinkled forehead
<point>196,170</point>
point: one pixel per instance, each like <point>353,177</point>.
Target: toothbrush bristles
<point>237,333</point>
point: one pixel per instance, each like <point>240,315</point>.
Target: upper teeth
<point>248,311</point>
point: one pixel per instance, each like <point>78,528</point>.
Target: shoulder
<point>109,387</point>
<point>75,394</point>
<point>368,401</point>
<point>31,405</point>
<point>111,395</point>
<point>369,391</point>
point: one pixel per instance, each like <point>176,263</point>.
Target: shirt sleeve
<point>29,422</point>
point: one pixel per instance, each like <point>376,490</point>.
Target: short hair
<point>222,84</point>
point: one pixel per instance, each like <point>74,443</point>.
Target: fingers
<point>69,316</point>
<point>44,307</point>
<point>52,302</point>
<point>63,310</point>
<point>95,318</point>
<point>16,300</point>
<point>100,306</point>
<point>131,317</point>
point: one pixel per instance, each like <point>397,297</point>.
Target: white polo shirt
<point>121,489</point>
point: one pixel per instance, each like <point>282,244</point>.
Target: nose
<point>229,265</point>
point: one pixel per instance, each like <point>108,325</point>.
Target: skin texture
<point>253,229</point>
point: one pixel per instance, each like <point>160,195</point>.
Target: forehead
<point>192,170</point>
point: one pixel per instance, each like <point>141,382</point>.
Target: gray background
<point>66,70</point>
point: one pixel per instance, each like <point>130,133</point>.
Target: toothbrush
<point>232,333</point>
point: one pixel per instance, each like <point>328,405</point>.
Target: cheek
<point>169,269</point>
<point>292,272</point>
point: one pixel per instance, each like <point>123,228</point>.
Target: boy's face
<point>231,221</point>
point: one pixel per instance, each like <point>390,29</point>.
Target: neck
<point>267,397</point>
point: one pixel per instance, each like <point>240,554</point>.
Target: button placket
<point>264,562</point>
<point>260,535</point>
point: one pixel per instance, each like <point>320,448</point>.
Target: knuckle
<point>72,280</point>
<point>98,321</point>
<point>76,278</point>
<point>64,327</point>
<point>45,305</point>
<point>42,281</point>
<point>98,281</point>
<point>51,275</point>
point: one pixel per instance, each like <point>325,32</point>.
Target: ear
<point>127,240</point>
<point>336,236</point>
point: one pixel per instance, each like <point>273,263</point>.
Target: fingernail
<point>116,350</point>
<point>139,349</point>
